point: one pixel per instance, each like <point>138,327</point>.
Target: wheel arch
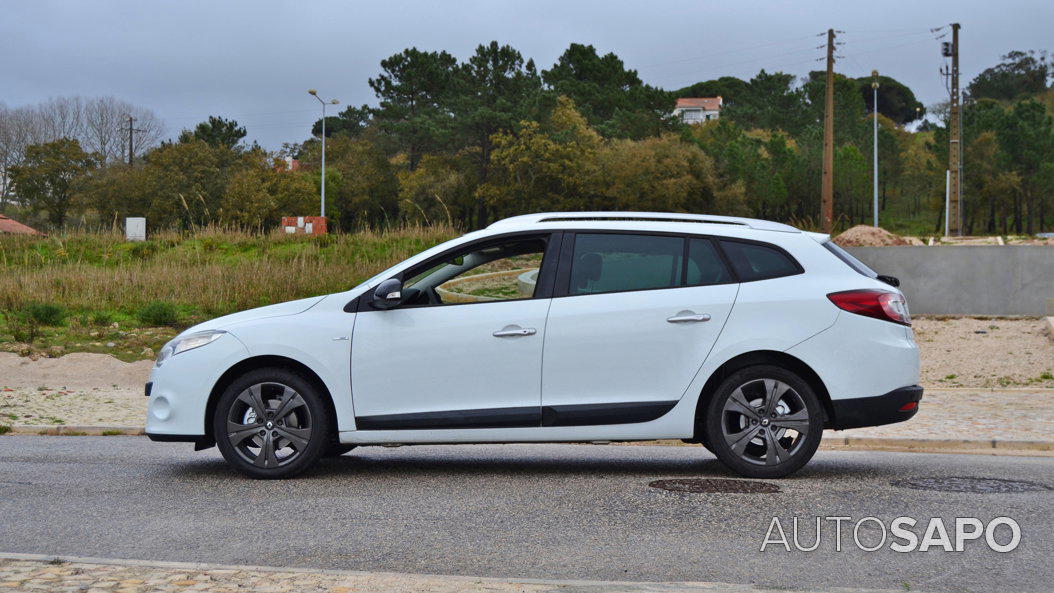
<point>760,357</point>
<point>266,362</point>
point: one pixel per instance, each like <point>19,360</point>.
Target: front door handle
<point>688,317</point>
<point>511,331</point>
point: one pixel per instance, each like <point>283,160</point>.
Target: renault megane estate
<point>746,336</point>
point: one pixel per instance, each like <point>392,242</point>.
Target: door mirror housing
<point>388,294</point>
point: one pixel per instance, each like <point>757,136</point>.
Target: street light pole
<point>874,150</point>
<point>314,94</point>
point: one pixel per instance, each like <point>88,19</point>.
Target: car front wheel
<point>764,422</point>
<point>271,423</point>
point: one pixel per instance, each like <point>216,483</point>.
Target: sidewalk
<point>1020,420</point>
<point>33,572</point>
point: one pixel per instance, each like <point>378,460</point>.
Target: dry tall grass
<point>211,272</point>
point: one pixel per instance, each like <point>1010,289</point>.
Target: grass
<point>95,292</point>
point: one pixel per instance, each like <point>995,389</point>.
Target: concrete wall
<point>978,280</point>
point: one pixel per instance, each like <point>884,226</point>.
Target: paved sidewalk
<point>974,414</point>
<point>32,572</point>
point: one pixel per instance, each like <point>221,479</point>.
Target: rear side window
<point>753,261</point>
<point>705,265</point>
<point>848,259</point>
<point>621,262</point>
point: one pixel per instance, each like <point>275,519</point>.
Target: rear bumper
<point>875,411</point>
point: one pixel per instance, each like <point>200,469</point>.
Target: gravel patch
<point>985,353</point>
<point>79,388</point>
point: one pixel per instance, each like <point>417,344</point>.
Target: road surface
<point>526,511</point>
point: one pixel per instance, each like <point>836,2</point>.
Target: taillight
<point>880,304</point>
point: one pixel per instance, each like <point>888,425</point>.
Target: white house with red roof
<point>694,110</point>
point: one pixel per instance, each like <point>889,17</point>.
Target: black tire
<point>337,449</point>
<point>300,427</point>
<point>764,439</point>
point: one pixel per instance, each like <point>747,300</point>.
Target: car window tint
<point>705,265</point>
<point>757,262</point>
<point>619,262</point>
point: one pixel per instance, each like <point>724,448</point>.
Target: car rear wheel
<point>764,422</point>
<point>271,423</point>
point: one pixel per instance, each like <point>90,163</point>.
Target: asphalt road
<point>527,511</point>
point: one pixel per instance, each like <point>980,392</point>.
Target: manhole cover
<point>971,485</point>
<point>715,486</point>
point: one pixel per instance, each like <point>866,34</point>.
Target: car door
<point>466,351</point>
<point>635,317</point>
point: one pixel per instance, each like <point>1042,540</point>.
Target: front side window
<point>621,262</point>
<point>753,261</point>
<point>501,272</point>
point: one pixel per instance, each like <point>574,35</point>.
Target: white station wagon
<point>746,336</point>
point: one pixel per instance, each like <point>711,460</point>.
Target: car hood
<point>278,310</point>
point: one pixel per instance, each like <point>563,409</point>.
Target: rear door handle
<point>512,331</point>
<point>688,317</point>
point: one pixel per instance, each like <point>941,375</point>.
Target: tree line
<point>466,142</point>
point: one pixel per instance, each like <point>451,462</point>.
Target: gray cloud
<point>253,61</point>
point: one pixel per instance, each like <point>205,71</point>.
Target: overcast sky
<point>254,60</point>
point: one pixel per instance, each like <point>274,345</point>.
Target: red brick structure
<point>304,225</point>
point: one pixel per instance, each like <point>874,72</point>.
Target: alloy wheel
<point>765,422</point>
<point>269,425</point>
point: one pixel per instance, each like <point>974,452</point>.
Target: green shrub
<point>101,318</point>
<point>48,314</point>
<point>22,325</point>
<point>159,313</point>
<point>4,429</point>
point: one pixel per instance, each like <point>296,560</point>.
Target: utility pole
<point>827,191</point>
<point>955,168</point>
<point>131,144</point>
<point>874,149</point>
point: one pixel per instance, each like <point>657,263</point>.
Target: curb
<point>917,445</point>
<point>451,582</point>
<point>75,430</point>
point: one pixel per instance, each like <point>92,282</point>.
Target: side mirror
<point>388,294</point>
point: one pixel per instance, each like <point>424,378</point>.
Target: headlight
<point>188,342</point>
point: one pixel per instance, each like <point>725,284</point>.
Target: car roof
<point>647,220</point>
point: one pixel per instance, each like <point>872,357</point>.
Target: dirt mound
<point>869,236</point>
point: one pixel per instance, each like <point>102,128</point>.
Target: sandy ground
<point>97,389</point>
<point>1010,352</point>
<point>79,388</point>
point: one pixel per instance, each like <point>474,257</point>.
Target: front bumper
<point>179,390</point>
<point>875,411</point>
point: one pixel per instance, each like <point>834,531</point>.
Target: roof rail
<point>753,223</point>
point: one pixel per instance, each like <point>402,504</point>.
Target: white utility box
<point>135,229</point>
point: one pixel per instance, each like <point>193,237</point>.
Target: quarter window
<point>752,261</point>
<point>621,262</point>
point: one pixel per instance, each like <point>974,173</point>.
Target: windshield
<point>849,260</point>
